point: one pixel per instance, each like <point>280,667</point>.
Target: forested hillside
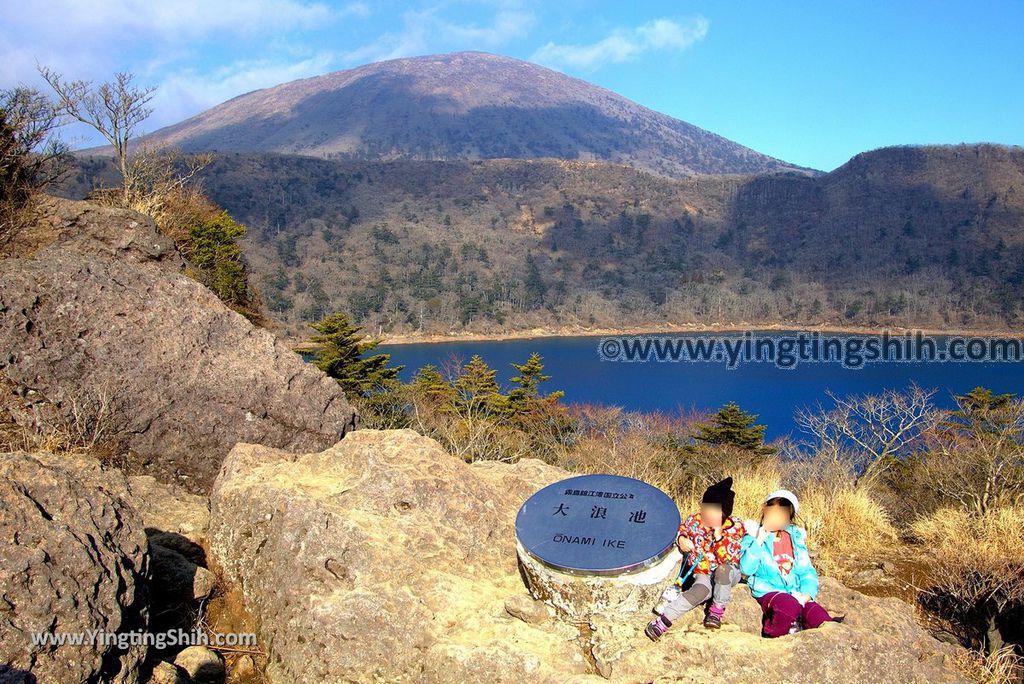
<point>916,236</point>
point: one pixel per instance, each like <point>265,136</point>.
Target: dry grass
<point>751,484</point>
<point>87,419</point>
<point>628,456</point>
<point>612,440</point>
<point>976,557</point>
<point>976,570</point>
<point>1001,667</point>
<point>226,614</point>
<point>1000,543</point>
<point>844,521</point>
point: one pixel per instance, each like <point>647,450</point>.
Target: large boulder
<point>73,563</point>
<point>100,328</point>
<point>384,558</point>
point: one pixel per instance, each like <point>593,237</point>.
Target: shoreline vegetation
<point>385,339</point>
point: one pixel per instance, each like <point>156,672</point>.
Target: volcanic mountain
<point>459,106</point>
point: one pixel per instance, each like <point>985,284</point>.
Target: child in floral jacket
<point>711,538</point>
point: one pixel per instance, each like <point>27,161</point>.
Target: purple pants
<point>781,610</point>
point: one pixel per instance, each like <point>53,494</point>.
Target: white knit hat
<point>787,495</point>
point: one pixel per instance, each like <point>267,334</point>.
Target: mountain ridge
<point>462,105</point>
<point>911,236</point>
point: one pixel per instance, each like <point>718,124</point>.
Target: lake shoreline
<point>576,366</point>
<point>545,333</point>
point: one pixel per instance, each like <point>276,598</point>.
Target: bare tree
<point>867,434</point>
<point>159,173</point>
<point>114,109</point>
<point>32,156</point>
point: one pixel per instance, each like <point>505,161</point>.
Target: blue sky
<point>812,83</point>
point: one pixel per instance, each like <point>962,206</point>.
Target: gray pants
<point>718,588</point>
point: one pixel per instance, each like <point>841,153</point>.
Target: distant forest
<point>908,236</point>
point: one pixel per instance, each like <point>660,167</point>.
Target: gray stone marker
<point>598,525</point>
<point>598,547</point>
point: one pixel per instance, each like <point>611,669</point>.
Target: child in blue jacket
<point>778,568</point>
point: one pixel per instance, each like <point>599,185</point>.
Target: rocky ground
<point>247,502</point>
<point>408,573</point>
<point>380,559</point>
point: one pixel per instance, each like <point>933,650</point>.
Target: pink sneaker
<point>656,627</point>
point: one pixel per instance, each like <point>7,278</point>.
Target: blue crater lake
<point>576,366</point>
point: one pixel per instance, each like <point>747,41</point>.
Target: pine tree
<point>477,390</point>
<point>215,253</point>
<point>429,382</point>
<point>981,413</point>
<point>526,393</point>
<point>733,426</point>
<point>341,356</point>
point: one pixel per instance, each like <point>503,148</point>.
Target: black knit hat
<point>721,493</point>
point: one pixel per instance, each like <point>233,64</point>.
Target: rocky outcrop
<point>176,525</point>
<point>384,558</point>
<point>100,329</point>
<point>73,562</point>
<point>879,640</point>
<point>95,230</point>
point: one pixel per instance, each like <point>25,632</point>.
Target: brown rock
<point>528,609</point>
<point>243,669</point>
<point>202,665</point>
<point>177,580</point>
<point>170,510</point>
<point>382,558</point>
<point>167,673</point>
<point>178,543</point>
<point>178,377</point>
<point>87,228</point>
<point>73,559</point>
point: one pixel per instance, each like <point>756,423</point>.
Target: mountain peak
<point>459,105</point>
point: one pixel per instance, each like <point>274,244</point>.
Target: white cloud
<point>172,19</point>
<point>91,38</point>
<point>423,31</point>
<point>164,43</point>
<point>172,44</point>
<point>624,44</point>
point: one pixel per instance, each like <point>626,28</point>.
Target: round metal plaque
<point>598,525</point>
